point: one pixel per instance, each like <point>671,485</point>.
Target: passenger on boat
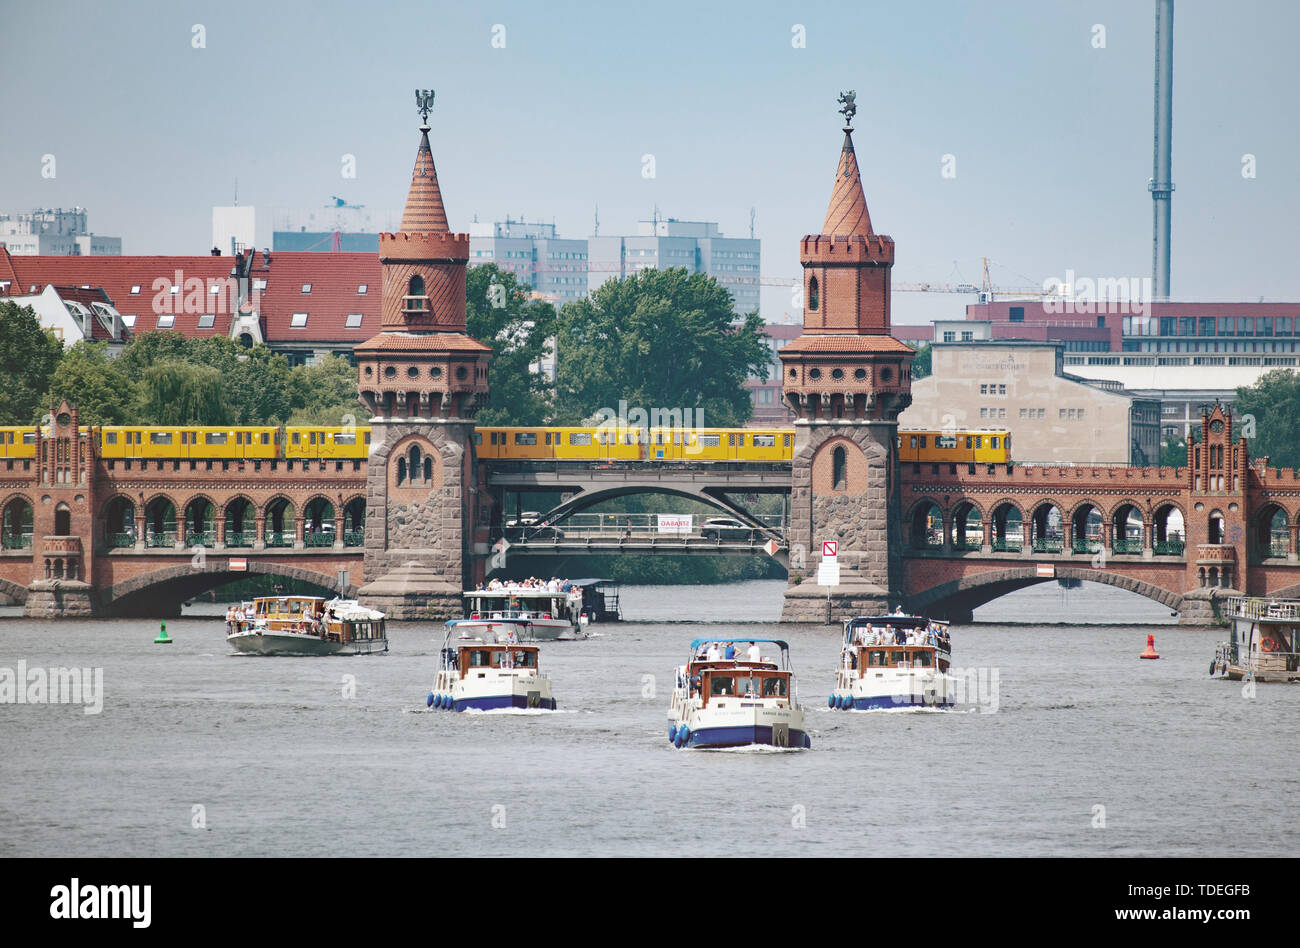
<point>230,620</point>
<point>714,654</point>
<point>754,654</point>
<point>730,652</point>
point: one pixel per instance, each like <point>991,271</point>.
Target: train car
<point>209,442</point>
<point>326,443</point>
<point>937,446</point>
<point>261,441</point>
<point>18,441</point>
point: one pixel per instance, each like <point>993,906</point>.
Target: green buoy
<point>162,638</point>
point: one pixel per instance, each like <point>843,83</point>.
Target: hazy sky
<point>1051,136</point>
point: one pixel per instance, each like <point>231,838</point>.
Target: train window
<point>765,441</point>
<point>968,441</point>
<point>912,442</point>
<point>525,437</point>
<point>266,437</point>
<point>548,437</point>
<point>787,441</point>
<point>710,441</point>
<point>160,437</point>
<point>945,441</point>
<point>312,437</point>
<point>478,438</point>
<point>580,437</point>
<point>659,437</point>
<point>993,441</point>
<point>492,437</point>
<point>350,437</point>
<point>296,438</point>
<point>979,441</point>
<point>214,437</point>
<point>367,437</point>
<point>110,437</point>
<point>923,441</point>
<point>731,440</point>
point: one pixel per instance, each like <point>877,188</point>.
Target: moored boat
<point>488,673</point>
<point>894,661</point>
<point>747,699</point>
<point>1264,643</point>
<point>305,625</point>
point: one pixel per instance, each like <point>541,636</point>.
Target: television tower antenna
<point>752,212</point>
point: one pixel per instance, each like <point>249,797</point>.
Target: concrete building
<point>552,266</point>
<point>1052,416</point>
<point>54,232</point>
<point>696,245</point>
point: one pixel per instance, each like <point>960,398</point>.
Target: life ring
<point>1270,645</point>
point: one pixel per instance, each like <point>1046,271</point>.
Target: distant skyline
<point>1051,137</point>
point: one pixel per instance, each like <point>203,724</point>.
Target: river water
<point>1085,751</point>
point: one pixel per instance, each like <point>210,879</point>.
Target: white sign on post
<point>830,549</point>
<point>828,573</point>
<point>675,523</point>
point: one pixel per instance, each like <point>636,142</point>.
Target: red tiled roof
<point>847,214</point>
<point>434,342</point>
<point>424,213</point>
<point>334,279</point>
<point>85,297</point>
<point>833,344</point>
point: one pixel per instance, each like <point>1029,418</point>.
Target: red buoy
<point>1150,649</point>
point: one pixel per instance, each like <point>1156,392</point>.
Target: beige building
<point>1053,417</point>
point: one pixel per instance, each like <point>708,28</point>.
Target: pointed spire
<point>424,213</point>
<point>847,214</point>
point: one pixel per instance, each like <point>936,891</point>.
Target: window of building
<point>967,336</point>
<point>206,320</point>
<point>1016,314</point>
<point>839,465</point>
<point>363,289</point>
<point>135,290</point>
<point>298,320</point>
<point>950,337</point>
<point>353,321</point>
<point>166,321</point>
<point>306,287</point>
<point>812,293</point>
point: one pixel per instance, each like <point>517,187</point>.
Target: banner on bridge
<point>675,523</point>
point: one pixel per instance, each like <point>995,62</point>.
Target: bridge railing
<point>16,541</point>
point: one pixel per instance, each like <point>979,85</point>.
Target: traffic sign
<point>828,573</point>
<point>1046,570</point>
<point>771,546</point>
<point>830,549</point>
<point>238,564</point>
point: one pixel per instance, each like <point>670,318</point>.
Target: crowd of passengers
<point>310,623</point>
<point>933,634</point>
<point>525,585</point>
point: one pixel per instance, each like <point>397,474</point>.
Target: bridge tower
<point>423,379</point>
<point>1217,518</point>
<point>846,379</point>
<point>63,520</point>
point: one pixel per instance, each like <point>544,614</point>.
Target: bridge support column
<point>139,527</point>
<point>221,533</point>
<point>986,544</point>
<point>260,542</point>
<point>1293,542</point>
<point>1148,534</point>
<point>299,523</point>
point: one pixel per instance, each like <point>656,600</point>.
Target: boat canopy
<point>696,643</point>
<point>907,622</point>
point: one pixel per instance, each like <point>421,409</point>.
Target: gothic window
<point>839,464</point>
<point>812,294</point>
<point>401,470</point>
<point>416,286</point>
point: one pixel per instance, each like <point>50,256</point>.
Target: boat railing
<point>1256,607</point>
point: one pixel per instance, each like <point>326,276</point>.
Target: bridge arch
<point>160,513</point>
<point>16,593</point>
<point>117,517</point>
<point>925,524</point>
<point>17,516</point>
<point>965,517</point>
<point>960,596</point>
<point>1008,520</point>
<point>593,496</point>
<point>1047,526</point>
<point>161,591</point>
<point>1270,530</point>
<point>240,517</point>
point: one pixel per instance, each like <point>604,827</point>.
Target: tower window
<point>839,466</point>
<point>812,294</point>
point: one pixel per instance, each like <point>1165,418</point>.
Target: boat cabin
<point>521,604</point>
<point>743,681</point>
<point>477,659</point>
<point>334,621</point>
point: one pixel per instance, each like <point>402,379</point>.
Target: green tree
<point>660,339</point>
<point>921,362</point>
<point>1268,414</point>
<point>88,378</point>
<point>520,331</point>
<point>259,388</point>
<point>181,393</point>
<point>147,348</point>
<point>325,393</point>
<point>1173,452</point>
<point>28,357</point>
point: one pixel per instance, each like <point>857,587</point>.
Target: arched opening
<point>1216,532</point>
<point>1214,575</point>
<point>119,523</point>
<point>246,340</point>
<point>318,523</point>
<point>1087,529</point>
<point>241,528</point>
<point>927,527</point>
<point>401,471</point>
<point>354,522</point>
<point>160,523</point>
<point>1126,530</point>
<point>1170,531</point>
<point>967,528</point>
<point>279,523</point>
<point>62,521</point>
<point>839,469</point>
<point>413,404</point>
<point>1008,529</point>
<point>428,469</point>
<point>1272,532</point>
<point>16,525</point>
<point>413,467</point>
<point>415,288</point>
<point>200,529</point>
<point>1046,529</point>
<point>813,295</point>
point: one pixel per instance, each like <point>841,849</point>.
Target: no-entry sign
<point>830,549</point>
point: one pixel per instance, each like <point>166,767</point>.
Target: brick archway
<point>184,582</point>
<point>970,592</point>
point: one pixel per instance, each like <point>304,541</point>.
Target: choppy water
<point>283,764</point>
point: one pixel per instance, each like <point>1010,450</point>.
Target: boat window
<point>900,658</point>
<point>480,658</point>
<point>773,687</point>
<point>525,659</point>
<point>877,658</point>
<point>747,686</point>
<point>921,658</point>
<point>722,686</point>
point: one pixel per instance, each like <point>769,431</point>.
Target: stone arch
<point>418,467</point>
<point>279,514</point>
<point>1168,534</point>
<point>966,525</point>
<point>240,517</point>
<point>17,519</point>
<point>1216,527</point>
<point>16,593</point>
<point>159,591</point>
<point>117,517</point>
<point>1047,526</point>
<point>853,481</point>
<point>1086,526</point>
<point>1127,526</point>
<point>200,519</point>
<point>959,596</point>
<point>318,516</point>
<point>925,518</point>
<point>354,520</point>
<point>1008,521</point>
<point>1270,531</point>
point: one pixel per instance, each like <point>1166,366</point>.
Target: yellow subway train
<point>939,446</point>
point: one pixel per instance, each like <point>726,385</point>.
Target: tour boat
<point>1264,643</point>
<point>733,702</point>
<point>536,615</point>
<point>306,625</point>
<point>894,661</point>
<point>489,672</point>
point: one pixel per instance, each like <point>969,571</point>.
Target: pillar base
<point>59,599</point>
<point>808,602</point>
<point>413,591</point>
<point>1201,606</point>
